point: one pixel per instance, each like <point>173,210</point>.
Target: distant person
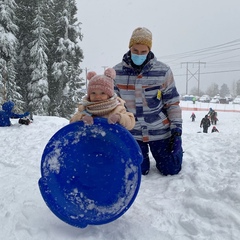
<point>205,124</point>
<point>193,116</point>
<point>210,111</point>
<point>213,116</point>
<point>194,100</point>
<point>214,129</point>
<point>7,112</point>
<point>101,101</point>
<point>148,87</point>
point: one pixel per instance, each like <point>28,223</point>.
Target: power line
<point>227,58</point>
<point>236,70</point>
<point>224,50</point>
<point>221,58</point>
<point>186,54</point>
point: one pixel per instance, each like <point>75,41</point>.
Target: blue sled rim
<point>90,174</point>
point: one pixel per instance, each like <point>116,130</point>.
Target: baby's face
<point>98,95</point>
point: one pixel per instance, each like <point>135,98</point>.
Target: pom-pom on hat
<point>141,35</point>
<point>103,82</point>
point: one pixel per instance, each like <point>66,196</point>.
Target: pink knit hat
<point>102,82</point>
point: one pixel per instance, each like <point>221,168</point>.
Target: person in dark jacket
<point>148,88</point>
<point>7,112</point>
<point>193,116</point>
<point>213,116</point>
<point>205,124</point>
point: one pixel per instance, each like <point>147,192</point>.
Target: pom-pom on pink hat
<point>103,82</point>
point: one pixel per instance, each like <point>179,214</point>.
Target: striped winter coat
<point>151,96</point>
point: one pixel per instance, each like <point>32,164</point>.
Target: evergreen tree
<point>48,64</point>
<point>8,48</point>
<point>194,91</point>
<point>224,90</point>
<point>26,16</point>
<point>213,90</point>
<point>3,77</point>
<point>37,88</point>
<point>64,81</point>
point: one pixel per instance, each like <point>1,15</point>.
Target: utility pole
<point>193,75</point>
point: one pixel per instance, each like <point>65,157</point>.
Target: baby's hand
<point>88,120</point>
<point>114,118</point>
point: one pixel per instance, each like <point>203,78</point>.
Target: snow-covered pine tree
<point>66,55</point>
<point>37,88</point>
<point>3,72</point>
<point>8,49</point>
<point>224,90</point>
<point>25,14</point>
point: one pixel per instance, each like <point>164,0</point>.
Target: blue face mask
<point>138,59</point>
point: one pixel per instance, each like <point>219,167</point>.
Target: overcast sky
<point>193,33</point>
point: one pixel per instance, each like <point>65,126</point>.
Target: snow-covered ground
<point>202,202</point>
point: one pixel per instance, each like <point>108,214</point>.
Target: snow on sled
<point>90,174</point>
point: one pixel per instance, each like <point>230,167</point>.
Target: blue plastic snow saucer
<point>90,174</point>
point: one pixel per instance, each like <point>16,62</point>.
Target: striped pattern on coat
<point>151,96</point>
